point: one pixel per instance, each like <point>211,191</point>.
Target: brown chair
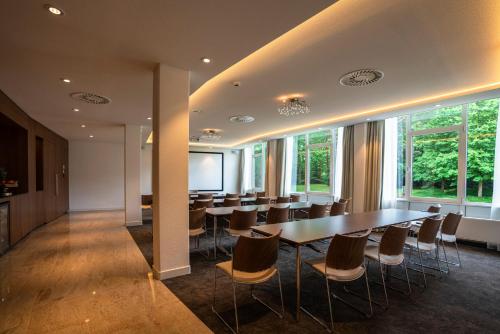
<point>426,242</point>
<point>282,199</point>
<point>147,200</point>
<point>203,203</point>
<point>338,208</point>
<point>231,202</point>
<point>295,198</point>
<point>205,196</point>
<point>434,208</point>
<point>262,200</point>
<point>390,252</point>
<point>253,262</point>
<point>230,195</point>
<point>241,222</point>
<point>197,225</point>
<point>250,195</point>
<point>277,215</point>
<point>318,211</point>
<point>260,194</point>
<point>344,262</point>
<point>448,234</point>
<point>415,224</point>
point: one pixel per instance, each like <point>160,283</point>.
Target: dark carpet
<point>465,301</point>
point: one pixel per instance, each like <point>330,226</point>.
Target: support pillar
<point>133,211</point>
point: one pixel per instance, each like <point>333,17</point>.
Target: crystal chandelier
<point>293,106</point>
<point>210,134</point>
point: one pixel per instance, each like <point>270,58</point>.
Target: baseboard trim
<point>171,273</point>
<point>134,223</point>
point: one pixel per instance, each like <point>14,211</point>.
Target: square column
<point>133,210</point>
<point>170,172</point>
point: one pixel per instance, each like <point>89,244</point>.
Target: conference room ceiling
<point>109,47</point>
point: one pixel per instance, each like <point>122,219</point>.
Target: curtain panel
<point>373,172</point>
<point>390,165</point>
<point>348,165</point>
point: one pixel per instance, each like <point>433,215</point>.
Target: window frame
<point>331,146</point>
<point>262,154</point>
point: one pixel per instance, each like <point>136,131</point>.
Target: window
<point>258,166</point>
<point>448,153</point>
<point>319,149</point>
<point>299,164</point>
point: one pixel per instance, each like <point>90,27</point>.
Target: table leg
<point>298,270</point>
<point>215,237</point>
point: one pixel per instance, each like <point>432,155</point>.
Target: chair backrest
<point>346,251</point>
<point>205,196</point>
<point>277,215</point>
<point>344,200</point>
<point>255,254</point>
<point>197,218</point>
<point>230,195</point>
<point>250,195</point>
<point>203,203</point>
<point>282,199</point>
<point>262,200</point>
<point>260,194</point>
<point>393,240</point>
<point>146,199</point>
<point>232,202</point>
<point>434,208</point>
<point>295,198</point>
<point>318,211</point>
<point>243,220</point>
<point>450,223</point>
<point>338,208</point>
<point>429,230</point>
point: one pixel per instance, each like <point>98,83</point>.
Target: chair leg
<point>458,255</point>
<point>383,283</point>
<point>422,267</point>
<point>369,294</point>
<point>407,278</point>
<point>281,296</point>
<point>445,256</point>
<point>437,261</point>
<point>235,307</point>
<point>329,303</point>
<point>234,299</point>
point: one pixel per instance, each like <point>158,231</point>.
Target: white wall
<point>231,167</point>
<point>146,169</point>
<point>96,176</point>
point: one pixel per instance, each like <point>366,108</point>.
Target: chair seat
<point>336,274</point>
<point>412,242</point>
<point>372,252</point>
<point>196,232</point>
<point>447,237</point>
<point>237,233</point>
<point>375,236</point>
<point>246,277</point>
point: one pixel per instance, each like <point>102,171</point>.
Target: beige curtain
<point>374,158</point>
<point>348,165</point>
<point>269,166</point>
<point>280,167</point>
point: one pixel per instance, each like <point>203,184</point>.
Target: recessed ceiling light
<point>206,60</point>
<point>54,10</point>
<point>65,80</point>
<point>76,109</point>
<point>241,119</point>
<point>437,105</point>
<point>91,136</point>
<point>196,111</point>
<point>368,119</point>
<point>83,126</point>
<point>149,118</point>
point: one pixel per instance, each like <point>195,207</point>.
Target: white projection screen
<point>206,171</point>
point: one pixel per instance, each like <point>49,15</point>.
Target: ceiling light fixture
<point>91,136</point>
<point>150,118</point>
<point>83,126</point>
<point>241,119</point>
<point>76,109</point>
<point>65,80</point>
<point>294,106</point>
<point>196,111</point>
<point>54,10</point>
<point>206,60</point>
<point>437,105</point>
<point>210,134</point>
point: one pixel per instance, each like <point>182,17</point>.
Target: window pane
<point>437,118</point>
<point>299,164</point>
<point>320,137</point>
<point>257,149</point>
<point>482,125</point>
<point>319,175</point>
<point>435,165</point>
<point>402,135</point>
<point>257,163</point>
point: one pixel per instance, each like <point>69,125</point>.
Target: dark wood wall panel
<point>33,208</point>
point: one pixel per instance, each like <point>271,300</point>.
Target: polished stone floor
<point>83,273</point>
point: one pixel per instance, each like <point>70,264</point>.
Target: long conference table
<point>227,211</point>
<point>221,200</point>
<point>299,233</point>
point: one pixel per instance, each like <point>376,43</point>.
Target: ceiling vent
<point>361,77</point>
<point>90,98</point>
<point>241,119</point>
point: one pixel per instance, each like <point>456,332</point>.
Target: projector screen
<point>206,171</point>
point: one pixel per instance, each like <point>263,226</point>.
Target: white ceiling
<point>425,48</point>
<point>109,47</point>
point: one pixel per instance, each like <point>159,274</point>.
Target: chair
<point>295,198</point>
<point>204,203</point>
<point>147,200</point>
<point>338,208</point>
<point>415,224</point>
<point>390,252</point>
<point>425,242</point>
<point>277,215</point>
<point>197,225</point>
<point>230,195</point>
<point>249,195</point>
<point>448,234</point>
<point>282,199</point>
<point>205,196</point>
<point>253,262</point>
<point>231,202</point>
<point>241,222</point>
<point>262,200</point>
<point>260,194</point>
<point>344,262</point>
<point>318,211</point>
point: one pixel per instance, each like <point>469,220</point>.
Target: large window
<point>258,166</point>
<point>448,153</point>
<point>299,164</point>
